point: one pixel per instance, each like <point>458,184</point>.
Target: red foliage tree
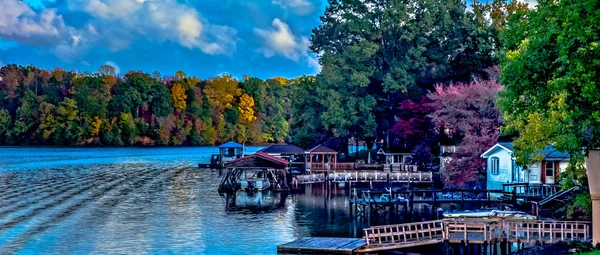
<point>469,111</point>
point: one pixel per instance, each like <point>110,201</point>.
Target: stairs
<point>558,195</point>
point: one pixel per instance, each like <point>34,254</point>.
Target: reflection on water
<point>163,205</point>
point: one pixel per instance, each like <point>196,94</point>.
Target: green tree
<point>550,62</point>
<point>377,53</point>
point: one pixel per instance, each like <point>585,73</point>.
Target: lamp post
<point>592,165</point>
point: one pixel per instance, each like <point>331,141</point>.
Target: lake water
<point>148,200</point>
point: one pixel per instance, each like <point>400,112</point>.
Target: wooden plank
<point>311,245</point>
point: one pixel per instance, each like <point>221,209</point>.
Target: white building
<point>501,167</point>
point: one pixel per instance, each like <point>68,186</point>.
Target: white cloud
<point>117,69</point>
<point>279,40</point>
<point>314,63</point>
<point>123,21</point>
<point>22,24</point>
<point>530,3</point>
<point>300,7</point>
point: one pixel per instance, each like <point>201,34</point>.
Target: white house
<point>501,167</point>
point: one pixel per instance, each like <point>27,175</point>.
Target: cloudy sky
<point>262,38</point>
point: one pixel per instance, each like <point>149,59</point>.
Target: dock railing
<point>531,190</point>
<point>405,234</point>
<point>466,230</point>
<point>351,166</point>
<point>364,176</point>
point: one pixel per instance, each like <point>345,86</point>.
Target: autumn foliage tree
<point>469,112</point>
<point>61,107</point>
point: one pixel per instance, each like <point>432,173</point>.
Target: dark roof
<point>321,149</point>
<point>508,146</point>
<point>258,155</point>
<point>231,145</point>
<point>551,153</point>
<point>283,149</point>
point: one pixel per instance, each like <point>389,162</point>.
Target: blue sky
<point>262,38</point>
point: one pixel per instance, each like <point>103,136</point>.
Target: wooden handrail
<point>456,230</point>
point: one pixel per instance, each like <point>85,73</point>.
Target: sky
<point>204,38</point>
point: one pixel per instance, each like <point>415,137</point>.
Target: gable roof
<point>231,145</point>
<point>321,149</point>
<point>283,149</point>
<point>260,156</point>
<point>498,146</point>
<point>549,152</point>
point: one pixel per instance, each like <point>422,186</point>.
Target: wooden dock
<point>322,245</point>
<point>472,231</point>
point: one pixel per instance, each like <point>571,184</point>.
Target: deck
<point>322,245</point>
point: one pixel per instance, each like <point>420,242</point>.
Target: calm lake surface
<point>148,200</point>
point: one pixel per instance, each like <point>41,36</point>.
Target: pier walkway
<point>474,231</point>
<point>364,176</point>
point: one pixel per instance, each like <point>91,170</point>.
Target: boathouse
<point>292,153</point>
<point>273,168</point>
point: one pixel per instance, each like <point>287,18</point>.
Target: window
<point>549,168</point>
<point>495,165</point>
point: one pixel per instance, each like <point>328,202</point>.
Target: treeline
<point>374,55</point>
<point>58,107</point>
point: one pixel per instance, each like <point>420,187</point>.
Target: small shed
<point>231,150</point>
<point>274,168</point>
<point>321,157</point>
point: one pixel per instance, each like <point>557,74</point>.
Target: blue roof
<point>550,153</point>
<point>231,145</point>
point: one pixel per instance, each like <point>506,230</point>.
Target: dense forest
<point>61,107</point>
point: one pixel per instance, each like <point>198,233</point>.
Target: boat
<point>253,180</point>
<point>266,200</point>
<point>491,214</point>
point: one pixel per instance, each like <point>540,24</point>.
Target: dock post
<point>468,247</point>
<point>503,247</point>
<point>485,247</point>
<point>412,203</point>
<point>462,248</point>
<point>446,247</point>
<point>462,200</point>
<point>434,208</point>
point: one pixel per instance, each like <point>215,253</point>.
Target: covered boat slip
<point>259,171</point>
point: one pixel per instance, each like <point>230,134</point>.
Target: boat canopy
<point>228,145</point>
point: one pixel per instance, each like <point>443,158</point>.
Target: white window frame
<point>495,166</point>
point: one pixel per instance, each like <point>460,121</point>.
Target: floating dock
<point>322,245</point>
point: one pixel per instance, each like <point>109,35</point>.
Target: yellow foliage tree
<point>222,91</point>
<point>246,109</point>
<point>179,96</point>
<point>96,124</point>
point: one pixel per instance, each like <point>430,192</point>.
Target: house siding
<point>495,181</point>
<point>535,173</point>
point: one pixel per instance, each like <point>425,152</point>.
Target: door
<point>549,173</point>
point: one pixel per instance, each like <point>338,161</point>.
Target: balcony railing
<point>350,166</point>
<point>531,190</point>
